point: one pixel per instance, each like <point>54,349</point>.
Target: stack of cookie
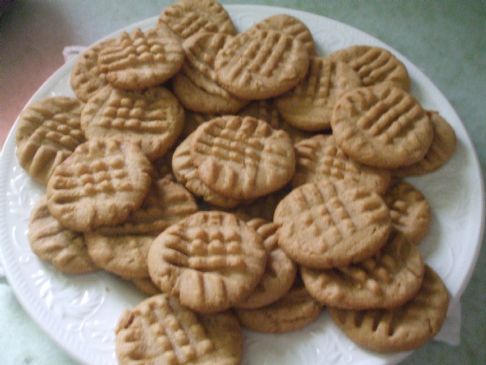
<point>240,179</point>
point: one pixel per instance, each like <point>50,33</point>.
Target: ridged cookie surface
<point>65,249</point>
<point>374,65</point>
<point>409,211</point>
<point>441,150</point>
<point>142,59</point>
<point>382,126</point>
<point>242,157</point>
<point>320,157</point>
<point>48,132</point>
<point>387,280</point>
<point>161,331</point>
<point>100,184</point>
<point>209,261</point>
<point>188,17</point>
<point>86,76</point>
<point>261,63</point>
<point>279,272</point>
<point>329,224</point>
<point>152,119</point>
<point>401,329</point>
<point>310,104</point>
<point>196,84</point>
<point>291,26</point>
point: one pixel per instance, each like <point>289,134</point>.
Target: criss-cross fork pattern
<point>137,113</point>
<point>137,49</point>
<point>374,65</point>
<point>188,17</point>
<point>264,53</point>
<point>321,211</point>
<point>59,129</point>
<point>178,333</point>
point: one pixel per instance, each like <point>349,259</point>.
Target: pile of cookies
<point>240,178</point>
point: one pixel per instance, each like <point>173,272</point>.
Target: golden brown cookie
<point>146,286</point>
<point>292,312</point>
<point>166,203</point>
<point>152,118</point>
<point>161,331</point>
<point>86,76</point>
<point>163,166</point>
<point>100,184</point>
<point>186,173</point>
<point>387,280</point>
<point>401,329</point>
<point>209,261</point>
<point>124,255</point>
<point>142,59</point>
<point>291,26</point>
<point>266,110</point>
<point>187,17</point>
<point>64,249</point>
<point>374,65</point>
<point>310,104</point>
<point>196,86</point>
<point>409,211</point>
<point>382,126</point>
<point>279,272</point>
<point>331,223</point>
<point>261,63</point>
<point>48,132</point>
<point>441,150</point>
<point>320,158</point>
<point>242,157</point>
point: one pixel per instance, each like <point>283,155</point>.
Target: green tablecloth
<point>446,39</point>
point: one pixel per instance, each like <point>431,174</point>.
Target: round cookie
<point>64,249</point>
<point>441,150</point>
<point>279,273</point>
<point>291,26</point>
<point>86,76</point>
<point>124,255</point>
<point>261,63</point>
<point>292,312</point>
<point>196,86</point>
<point>401,329</point>
<point>166,203</point>
<point>266,110</point>
<point>387,280</point>
<point>381,126</point>
<point>186,173</point>
<point>188,17</point>
<point>330,224</point>
<point>320,158</point>
<point>209,261</point>
<point>146,286</point>
<point>242,157</point>
<point>141,59</point>
<point>310,104</point>
<point>152,118</point>
<point>100,184</point>
<point>161,331</point>
<point>47,133</point>
<point>409,211</point>
<point>374,65</point>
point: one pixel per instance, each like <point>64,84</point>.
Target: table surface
<point>445,39</point>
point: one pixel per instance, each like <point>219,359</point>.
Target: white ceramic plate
<point>80,312</point>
